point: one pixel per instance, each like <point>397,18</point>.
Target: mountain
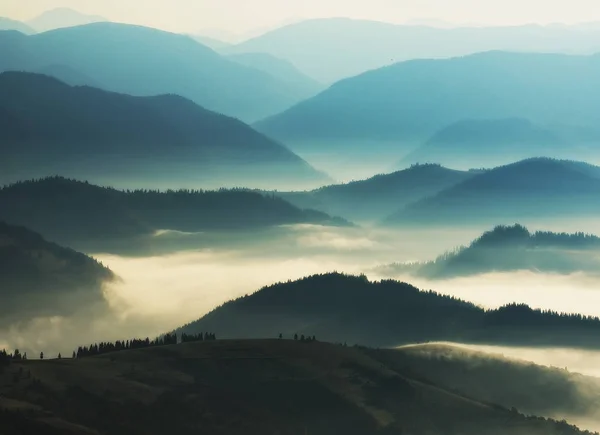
<point>335,48</point>
<point>394,109</point>
<point>280,69</point>
<point>511,248</point>
<point>379,196</point>
<point>39,278</point>
<point>491,378</point>
<point>62,17</point>
<point>533,188</point>
<point>212,43</point>
<point>76,212</point>
<point>81,131</point>
<point>144,62</point>
<point>8,24</point>
<point>342,308</point>
<point>250,387</point>
<point>475,143</point>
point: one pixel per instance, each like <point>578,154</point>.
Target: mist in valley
<point>189,274</point>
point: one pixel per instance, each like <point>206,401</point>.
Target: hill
<point>352,309</point>
<point>280,69</point>
<point>80,131</point>
<point>331,49</point>
<point>232,387</point>
<point>511,248</point>
<point>394,109</point>
<point>491,378</point>
<point>144,62</point>
<point>39,278</point>
<point>379,196</point>
<point>476,143</point>
<point>8,24</point>
<point>540,188</point>
<point>62,17</point>
<point>74,212</point>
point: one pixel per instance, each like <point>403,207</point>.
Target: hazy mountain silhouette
<point>8,24</point>
<point>488,142</point>
<point>379,196</point>
<point>75,212</point>
<point>334,48</point>
<point>39,278</point>
<point>212,43</point>
<point>142,61</point>
<point>247,386</point>
<point>80,131</point>
<point>62,17</point>
<point>542,188</point>
<point>351,309</point>
<point>280,69</point>
<point>401,106</point>
<point>511,248</point>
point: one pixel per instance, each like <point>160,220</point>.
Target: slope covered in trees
<point>352,309</point>
<point>253,387</point>
<point>511,248</point>
<point>379,196</point>
<point>72,211</point>
<point>49,127</point>
<point>533,188</point>
<point>476,143</point>
<point>39,278</point>
<point>400,106</point>
<point>492,378</point>
<point>143,61</point>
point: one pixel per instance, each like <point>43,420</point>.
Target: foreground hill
<point>492,378</point>
<point>506,249</point>
<point>252,387</point>
<point>540,188</point>
<point>142,61</point>
<point>39,278</point>
<point>71,211</point>
<point>400,106</point>
<point>331,49</point>
<point>379,196</point>
<point>476,143</point>
<point>49,127</point>
<point>344,308</point>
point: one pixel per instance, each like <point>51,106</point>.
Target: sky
<point>247,16</point>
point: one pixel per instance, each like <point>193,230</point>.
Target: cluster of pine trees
<point>6,358</point>
<point>190,338</point>
<point>135,343</point>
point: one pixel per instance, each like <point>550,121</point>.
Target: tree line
<point>119,345</point>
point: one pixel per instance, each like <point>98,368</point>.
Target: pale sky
<point>240,16</point>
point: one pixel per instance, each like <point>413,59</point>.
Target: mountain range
<point>343,308</point>
<point>49,127</point>
<point>376,198</point>
<point>538,188</point>
<point>391,111</point>
<point>509,249</point>
<point>144,62</point>
<point>331,49</point>
<point>39,278</point>
<point>74,212</point>
<point>476,143</point>
<point>62,17</point>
